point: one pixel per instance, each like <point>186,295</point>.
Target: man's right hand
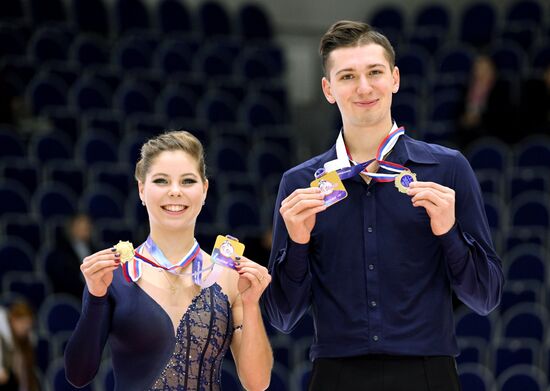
<point>299,210</point>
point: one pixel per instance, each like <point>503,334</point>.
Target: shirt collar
<point>405,150</point>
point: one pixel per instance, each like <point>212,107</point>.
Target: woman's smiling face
<point>173,191</point>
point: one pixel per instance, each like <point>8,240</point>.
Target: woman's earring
<point>143,203</point>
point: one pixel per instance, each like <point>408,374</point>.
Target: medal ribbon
<point>384,148</point>
<point>132,269</point>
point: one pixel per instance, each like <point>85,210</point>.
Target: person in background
<point>171,311</point>
<point>535,104</point>
<point>17,364</point>
<point>377,267</point>
<point>73,245</point>
<point>487,107</point>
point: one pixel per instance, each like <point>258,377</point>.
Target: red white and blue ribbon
<point>384,149</point>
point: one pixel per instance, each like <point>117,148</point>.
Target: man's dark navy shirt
<point>375,277</point>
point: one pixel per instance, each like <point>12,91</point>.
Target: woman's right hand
<point>98,270</point>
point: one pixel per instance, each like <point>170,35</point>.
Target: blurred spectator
<point>487,108</point>
<point>72,246</point>
<point>16,349</point>
<point>535,104</point>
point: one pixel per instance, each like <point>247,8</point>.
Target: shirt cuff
<point>455,244</point>
<point>295,264</point>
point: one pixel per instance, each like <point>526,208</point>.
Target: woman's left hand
<point>253,279</point>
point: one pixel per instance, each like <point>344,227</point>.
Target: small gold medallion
<point>404,179</point>
<point>126,250</point>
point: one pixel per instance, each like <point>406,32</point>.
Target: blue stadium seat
<point>13,198</point>
<point>489,153</point>
<point>433,16</point>
<point>102,202</point>
<point>29,285</point>
<point>177,102</point>
<point>257,111</point>
<point>525,11</point>
<point>445,108</point>
<point>227,157</point>
<point>413,60</point>
<point>90,94</point>
<point>173,16</point>
<point>91,16</point>
<point>20,170</point>
<point>508,353</point>
<point>522,377</point>
<point>216,59</point>
<point>96,147</point>
<point>496,212</point>
<point>530,211</point>
<point>523,180</point>
<point>89,50</point>
<point>259,64</point>
<point>49,44</point>
<point>508,57</point>
<point>405,110</point>
<point>217,108</point>
<point>389,20</point>
<point>240,213</point>
<point>533,152</point>
<point>492,182</point>
<point>17,256</point>
<point>473,350</point>
<point>214,20</point>
<point>477,24</point>
<point>54,199</point>
<point>254,22</point>
<point>476,377</point>
<point>107,122</point>
<point>108,232</point>
<point>524,34</point>
<point>526,262</point>
<point>119,177</point>
<point>525,320</point>
<point>59,313</point>
<point>11,146</point>
<point>132,97</point>
<point>267,160</point>
<point>174,57</point>
<point>24,227</point>
<point>49,147</point>
<point>131,16</point>
<point>72,175</point>
<point>470,324</point>
<point>455,60</point>
<point>132,53</point>
<point>518,292</point>
<point>46,91</point>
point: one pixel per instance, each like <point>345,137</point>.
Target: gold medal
<point>404,179</point>
<point>126,250</point>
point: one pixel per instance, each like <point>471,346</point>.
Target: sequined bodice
<point>202,340</point>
